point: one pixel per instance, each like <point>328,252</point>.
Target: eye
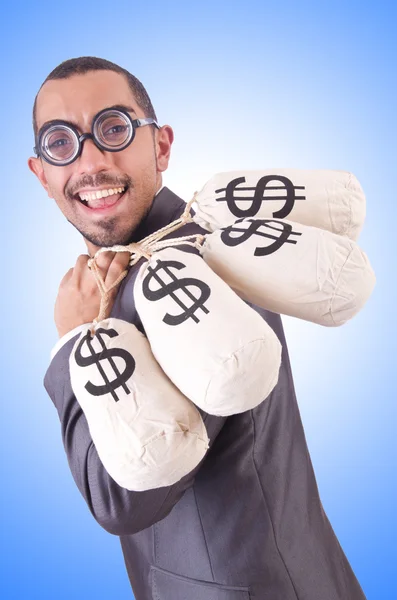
<point>115,133</point>
<point>59,143</point>
<point>115,129</point>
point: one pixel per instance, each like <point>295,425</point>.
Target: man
<point>248,522</point>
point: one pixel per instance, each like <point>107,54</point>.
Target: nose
<point>92,159</point>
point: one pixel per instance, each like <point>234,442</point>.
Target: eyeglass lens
<point>112,129</point>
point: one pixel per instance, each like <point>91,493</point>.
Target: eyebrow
<point>113,107</point>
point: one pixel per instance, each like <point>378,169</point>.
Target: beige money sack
<point>216,349</point>
<point>331,200</point>
<point>147,434</point>
<point>292,269</point>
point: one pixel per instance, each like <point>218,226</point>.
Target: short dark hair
<point>84,64</point>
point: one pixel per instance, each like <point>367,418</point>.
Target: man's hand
<point>79,298</point>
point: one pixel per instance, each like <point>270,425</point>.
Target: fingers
<point>81,264</point>
<point>66,278</point>
<point>103,261</point>
<point>118,264</point>
<point>110,265</point>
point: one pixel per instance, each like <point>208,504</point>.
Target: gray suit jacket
<point>247,523</point>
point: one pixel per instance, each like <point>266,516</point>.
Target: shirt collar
<point>165,208</point>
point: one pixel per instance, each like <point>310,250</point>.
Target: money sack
<point>292,269</point>
<point>147,434</point>
<point>216,349</point>
<point>330,200</point>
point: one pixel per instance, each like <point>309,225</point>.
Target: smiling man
<point>136,170</point>
<point>247,522</point>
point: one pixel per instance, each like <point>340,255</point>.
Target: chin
<point>106,241</point>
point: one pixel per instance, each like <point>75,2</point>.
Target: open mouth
<point>101,199</point>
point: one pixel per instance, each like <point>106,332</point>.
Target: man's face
<point>137,168</point>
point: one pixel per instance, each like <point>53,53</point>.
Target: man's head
<point>75,92</point>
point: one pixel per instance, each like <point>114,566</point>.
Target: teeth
<point>101,193</point>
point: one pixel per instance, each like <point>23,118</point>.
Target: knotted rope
<point>145,248</point>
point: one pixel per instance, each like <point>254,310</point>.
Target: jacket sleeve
<point>118,510</point>
<point>68,336</point>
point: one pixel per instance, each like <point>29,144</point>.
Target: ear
<point>165,137</point>
<point>36,166</point>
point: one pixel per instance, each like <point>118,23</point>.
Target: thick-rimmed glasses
<point>59,143</point>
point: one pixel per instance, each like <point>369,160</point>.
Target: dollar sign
<point>166,289</point>
<point>254,225</point>
<point>258,197</point>
<point>97,357</point>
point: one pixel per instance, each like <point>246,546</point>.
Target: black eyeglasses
<point>59,143</point>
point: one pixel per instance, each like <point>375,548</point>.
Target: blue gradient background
<point>248,86</point>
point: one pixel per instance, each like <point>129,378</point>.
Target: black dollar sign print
<point>97,357</point>
<point>169,289</point>
<point>284,233</point>
<point>259,191</point>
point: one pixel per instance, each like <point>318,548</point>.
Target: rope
<point>145,248</point>
<point>105,295</point>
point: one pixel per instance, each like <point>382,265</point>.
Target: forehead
<point>78,98</point>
